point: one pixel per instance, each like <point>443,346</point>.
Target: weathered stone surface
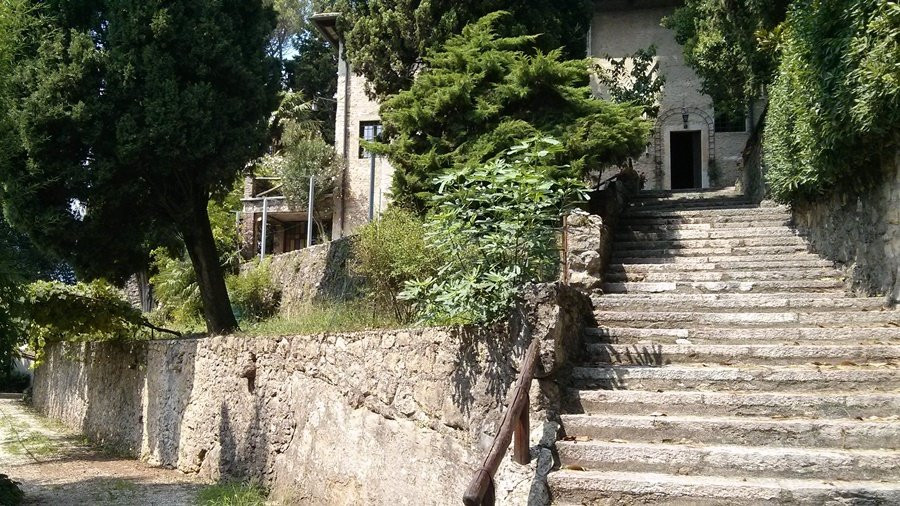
<point>589,235</point>
<point>862,232</point>
<point>322,272</point>
<point>379,417</point>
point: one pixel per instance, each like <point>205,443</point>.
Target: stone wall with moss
<point>860,231</point>
<point>377,417</point>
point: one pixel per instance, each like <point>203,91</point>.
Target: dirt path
<point>55,466</point>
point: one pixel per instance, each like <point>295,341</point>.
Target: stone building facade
<point>689,147</point>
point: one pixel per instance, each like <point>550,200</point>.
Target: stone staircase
<point>730,368</point>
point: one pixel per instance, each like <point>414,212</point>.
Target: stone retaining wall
<point>379,417</point>
<point>321,272</point>
<point>862,232</point>
<point>589,234</point>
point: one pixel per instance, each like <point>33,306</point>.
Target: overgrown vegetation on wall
<point>835,103</point>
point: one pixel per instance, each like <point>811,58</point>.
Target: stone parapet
<point>589,234</point>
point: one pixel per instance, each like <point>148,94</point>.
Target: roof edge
<point>326,24</point>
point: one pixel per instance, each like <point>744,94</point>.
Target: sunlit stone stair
<point>729,367</point>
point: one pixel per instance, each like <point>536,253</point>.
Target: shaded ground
<point>54,465</point>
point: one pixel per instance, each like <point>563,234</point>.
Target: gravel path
<point>56,466</point>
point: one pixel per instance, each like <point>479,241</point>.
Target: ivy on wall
<point>834,108</point>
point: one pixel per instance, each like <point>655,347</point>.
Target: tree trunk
<point>201,247</point>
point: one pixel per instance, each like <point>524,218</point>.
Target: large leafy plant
<point>495,226</point>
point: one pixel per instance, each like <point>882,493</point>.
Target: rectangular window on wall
<point>368,131</point>
<point>726,122</point>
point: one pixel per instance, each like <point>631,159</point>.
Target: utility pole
<point>309,211</point>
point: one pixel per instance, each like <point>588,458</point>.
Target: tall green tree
<point>484,93</point>
<point>732,45</point>
<point>131,115</point>
<point>387,40</point>
<point>308,62</point>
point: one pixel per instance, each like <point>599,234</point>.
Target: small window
<point>368,131</point>
<point>729,122</point>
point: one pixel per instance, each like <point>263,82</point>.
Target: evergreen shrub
<point>253,293</point>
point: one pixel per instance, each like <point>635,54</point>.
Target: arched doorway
<point>684,148</point>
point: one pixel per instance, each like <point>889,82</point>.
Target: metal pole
<point>309,212</point>
<point>372,187</point>
<point>265,221</point>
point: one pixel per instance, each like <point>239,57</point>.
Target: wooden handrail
<point>515,422</point>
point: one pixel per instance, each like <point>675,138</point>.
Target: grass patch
<point>36,444</point>
<point>322,318</point>
<point>231,494</point>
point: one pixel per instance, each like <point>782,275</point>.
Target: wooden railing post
<point>514,428</point>
<point>521,445</point>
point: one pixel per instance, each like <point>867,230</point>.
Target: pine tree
<point>483,93</point>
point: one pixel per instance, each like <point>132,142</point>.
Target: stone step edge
<point>717,488</point>
<point>689,419</point>
<point>825,353</point>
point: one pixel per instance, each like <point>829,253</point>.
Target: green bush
<point>10,493</point>
<point>390,252</point>
<point>254,296</point>
<point>81,312</point>
<point>496,227</point>
<point>835,104</point>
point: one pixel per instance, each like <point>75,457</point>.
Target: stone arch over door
<point>671,120</point>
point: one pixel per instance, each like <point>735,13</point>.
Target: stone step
<point>727,460</point>
<point>743,378</point>
<point>807,285</point>
<point>758,252</point>
<point>689,193</point>
<point>687,246</point>
<point>658,354</point>
<point>579,488</point>
<point>810,262</point>
<point>629,275</point>
<point>730,301</point>
<point>694,222</point>
<point>629,226</point>
<point>795,433</point>
<point>747,213</point>
<point>684,319</point>
<point>708,335</point>
<point>716,259</point>
<point>830,405</point>
<point>709,234</point>
<point>693,205</point>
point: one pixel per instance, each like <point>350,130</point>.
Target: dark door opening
<point>686,167</point>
